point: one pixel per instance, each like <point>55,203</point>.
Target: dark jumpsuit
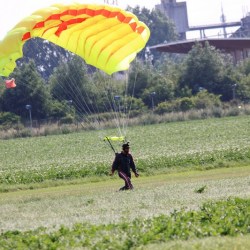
<point>123,163</point>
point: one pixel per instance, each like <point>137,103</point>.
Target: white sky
<point>199,11</point>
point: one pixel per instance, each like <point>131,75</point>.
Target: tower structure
<point>223,21</point>
<point>177,12</point>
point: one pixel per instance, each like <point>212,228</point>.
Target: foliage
<point>144,80</point>
<point>243,88</point>
<point>207,68</point>
<point>222,218</point>
<point>68,119</point>
<point>182,145</point>
<point>31,90</point>
<point>8,119</point>
<point>244,67</point>
<point>170,77</point>
<point>58,109</point>
<point>202,100</point>
<point>69,83</point>
<point>47,55</point>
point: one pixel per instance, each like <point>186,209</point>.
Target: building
<point>177,12</point>
<point>237,44</point>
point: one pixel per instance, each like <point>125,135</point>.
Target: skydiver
<point>123,162</point>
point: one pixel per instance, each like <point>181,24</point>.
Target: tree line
<point>57,83</point>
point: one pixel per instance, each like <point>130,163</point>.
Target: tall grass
<point>108,122</point>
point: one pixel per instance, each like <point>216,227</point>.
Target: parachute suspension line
<point>81,103</point>
<point>110,98</point>
<point>86,109</point>
<point>75,90</point>
<point>131,99</point>
<point>128,107</point>
<point>79,100</point>
<point>82,99</point>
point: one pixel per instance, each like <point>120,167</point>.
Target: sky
<point>199,11</point>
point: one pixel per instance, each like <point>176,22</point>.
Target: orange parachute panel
<point>106,37</point>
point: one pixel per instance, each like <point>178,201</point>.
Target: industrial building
<point>237,44</point>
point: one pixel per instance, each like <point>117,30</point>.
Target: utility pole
<point>223,20</point>
<point>152,95</point>
<point>29,107</point>
<point>233,88</point>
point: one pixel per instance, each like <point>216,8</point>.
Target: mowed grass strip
<point>101,203</point>
<point>157,148</point>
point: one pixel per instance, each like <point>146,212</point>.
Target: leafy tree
<point>59,109</point>
<point>139,78</point>
<point>147,82</point>
<point>244,67</point>
<point>243,89</point>
<point>243,81</point>
<point>7,119</point>
<point>160,89</point>
<point>30,89</point>
<point>207,68</point>
<point>204,100</point>
<point>46,55</point>
<point>70,82</point>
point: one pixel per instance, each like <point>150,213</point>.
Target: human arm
<point>134,169</point>
<point>114,165</point>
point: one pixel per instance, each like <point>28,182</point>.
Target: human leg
<point>126,178</point>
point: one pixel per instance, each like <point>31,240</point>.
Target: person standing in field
<point>123,163</point>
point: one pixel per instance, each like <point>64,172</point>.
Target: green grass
<point>98,203</point>
<point>210,243</point>
<point>230,217</point>
<point>55,192</point>
<point>160,148</point>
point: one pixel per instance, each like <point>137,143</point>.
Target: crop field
<point>193,191</point>
<point>156,148</point>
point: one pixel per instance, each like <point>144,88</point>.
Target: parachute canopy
<point>106,37</point>
<point>10,84</point>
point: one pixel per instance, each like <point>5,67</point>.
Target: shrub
<point>68,119</point>
<point>7,119</point>
<point>164,107</point>
<point>204,100</point>
<point>186,104</point>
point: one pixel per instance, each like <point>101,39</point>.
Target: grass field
<point>157,148</point>
<point>91,202</point>
<point>175,152</point>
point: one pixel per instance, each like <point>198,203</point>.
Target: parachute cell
<point>105,36</point>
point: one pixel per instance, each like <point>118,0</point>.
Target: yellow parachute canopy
<point>106,37</point>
